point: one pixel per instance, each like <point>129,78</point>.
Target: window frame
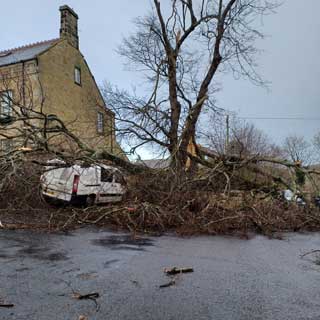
<point>100,122</point>
<point>77,72</point>
<point>8,95</point>
<point>106,175</point>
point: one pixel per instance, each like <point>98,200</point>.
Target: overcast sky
<point>290,61</point>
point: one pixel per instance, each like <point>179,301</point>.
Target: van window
<point>106,175</point>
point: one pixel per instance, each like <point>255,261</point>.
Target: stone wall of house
<point>48,84</point>
<point>22,80</point>
<point>76,104</point>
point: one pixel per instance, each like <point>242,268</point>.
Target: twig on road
<point>175,270</point>
<point>169,284</point>
<point>6,305</point>
<point>309,252</point>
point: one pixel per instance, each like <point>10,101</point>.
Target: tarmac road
<point>233,279</point>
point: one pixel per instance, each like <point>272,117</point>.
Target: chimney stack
<point>69,26</point>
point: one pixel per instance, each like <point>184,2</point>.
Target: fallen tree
<point>201,190</point>
<point>207,202</point>
<point>226,194</point>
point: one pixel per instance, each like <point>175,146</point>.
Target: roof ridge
<point>27,46</point>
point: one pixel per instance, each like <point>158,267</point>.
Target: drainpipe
<point>23,84</point>
<point>112,133</point>
<point>25,139</point>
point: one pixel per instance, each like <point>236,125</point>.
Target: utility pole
<point>227,134</point>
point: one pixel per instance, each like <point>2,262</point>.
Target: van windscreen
<point>106,175</point>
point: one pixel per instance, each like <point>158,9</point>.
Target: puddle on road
<point>108,263</point>
<point>123,242</point>
<point>34,252</point>
<point>22,269</point>
<point>41,253</point>
<point>4,256</point>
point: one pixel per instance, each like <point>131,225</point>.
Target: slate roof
<point>24,53</point>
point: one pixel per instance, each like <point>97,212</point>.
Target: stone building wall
<point>76,104</point>
<point>23,81</point>
<point>47,84</point>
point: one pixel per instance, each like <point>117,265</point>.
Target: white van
<point>81,184</point>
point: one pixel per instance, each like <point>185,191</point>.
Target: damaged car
<point>83,184</point>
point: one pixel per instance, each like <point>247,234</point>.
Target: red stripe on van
<point>75,184</point>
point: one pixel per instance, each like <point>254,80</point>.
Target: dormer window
<point>77,75</point>
<point>5,104</point>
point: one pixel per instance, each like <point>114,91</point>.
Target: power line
<point>280,118</point>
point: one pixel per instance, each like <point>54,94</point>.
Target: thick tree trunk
<point>181,162</point>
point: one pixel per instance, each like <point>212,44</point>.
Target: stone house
<point>52,78</point>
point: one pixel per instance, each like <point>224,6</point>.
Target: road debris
<point>174,273</point>
<point>6,305</point>
<point>79,296</point>
<point>169,284</point>
<point>309,252</point>
<point>136,283</point>
<point>175,270</point>
<point>89,296</point>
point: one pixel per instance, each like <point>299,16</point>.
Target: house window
<point>100,122</point>
<point>77,75</point>
<point>5,104</point>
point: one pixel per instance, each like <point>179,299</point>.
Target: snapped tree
<point>180,49</point>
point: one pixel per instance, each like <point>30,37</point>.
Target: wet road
<point>233,279</point>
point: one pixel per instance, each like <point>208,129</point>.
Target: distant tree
<point>297,149</point>
<point>316,143</point>
<point>180,48</point>
<point>245,139</point>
